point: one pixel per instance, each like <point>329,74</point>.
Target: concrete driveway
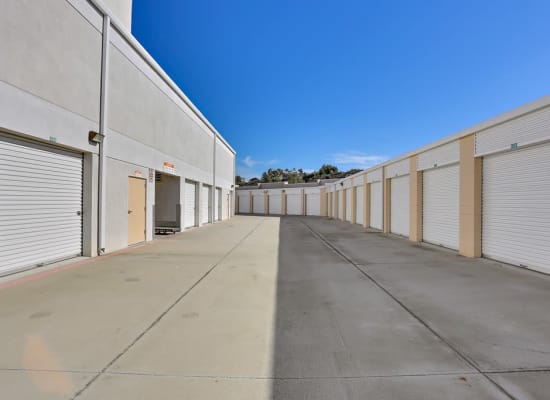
<point>270,308</point>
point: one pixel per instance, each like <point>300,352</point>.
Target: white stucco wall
<point>49,50</point>
<point>121,9</point>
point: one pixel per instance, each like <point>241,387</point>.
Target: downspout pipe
<point>103,117</point>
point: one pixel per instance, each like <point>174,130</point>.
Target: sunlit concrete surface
<point>277,308</point>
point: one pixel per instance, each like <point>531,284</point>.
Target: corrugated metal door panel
<point>40,204</point>
<point>294,204</point>
<point>219,204</point>
<point>258,203</point>
<point>440,206</point>
<point>376,202</point>
<point>275,203</point>
<point>190,204</point>
<point>399,221</point>
<point>348,204</point>
<point>205,204</point>
<point>516,207</point>
<point>359,206</point>
<point>313,206</point>
<point>244,202</point>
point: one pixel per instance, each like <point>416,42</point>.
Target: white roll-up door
<point>258,203</point>
<point>516,207</point>
<point>399,220</point>
<point>40,204</point>
<point>275,203</point>
<point>348,204</point>
<point>440,208</point>
<point>359,205</point>
<point>219,204</point>
<point>244,201</point>
<point>205,204</point>
<point>294,204</point>
<point>313,204</point>
<point>376,205</point>
<point>190,204</point>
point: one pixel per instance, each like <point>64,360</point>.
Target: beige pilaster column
<point>266,202</point>
<point>336,194</point>
<point>415,198</point>
<point>354,204</point>
<point>251,200</point>
<point>304,204</point>
<point>366,209</point>
<point>470,198</point>
<point>387,203</point>
<point>344,204</point>
<point>283,202</point>
<point>323,205</point>
<point>236,202</point>
<point>329,205</point>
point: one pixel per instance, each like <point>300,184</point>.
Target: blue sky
<point>299,83</point>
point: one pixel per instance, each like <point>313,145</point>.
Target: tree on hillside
<point>239,180</point>
<point>328,170</point>
<point>295,177</point>
<point>273,175</point>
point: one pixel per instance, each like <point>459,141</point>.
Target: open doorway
<point>167,204</point>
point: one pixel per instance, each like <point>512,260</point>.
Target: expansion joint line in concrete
<point>466,359</point>
<point>164,313</point>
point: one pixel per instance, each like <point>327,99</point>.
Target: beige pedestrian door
<point>136,210</point>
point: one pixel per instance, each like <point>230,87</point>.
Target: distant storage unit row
<point>483,192</point>
<point>290,200</point>
<point>99,149</point>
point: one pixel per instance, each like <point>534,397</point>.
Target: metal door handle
<point>129,211</point>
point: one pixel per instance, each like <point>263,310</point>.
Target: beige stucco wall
<point>415,187</point>
<point>470,199</point>
<point>353,204</point>
<point>366,205</point>
<point>344,205</point>
<point>386,203</point>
